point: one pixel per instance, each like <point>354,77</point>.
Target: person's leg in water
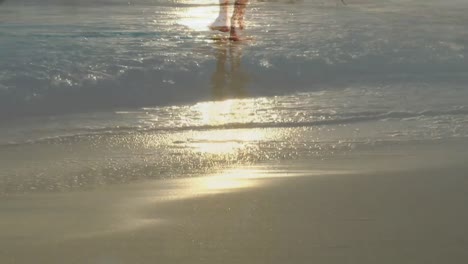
<point>237,19</point>
<point>222,22</point>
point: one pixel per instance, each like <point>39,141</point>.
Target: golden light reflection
<point>217,113</point>
<point>152,194</point>
<point>234,179</point>
<point>225,183</point>
<point>227,140</point>
<point>199,17</point>
<point>229,180</point>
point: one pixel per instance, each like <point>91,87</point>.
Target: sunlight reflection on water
<point>196,18</point>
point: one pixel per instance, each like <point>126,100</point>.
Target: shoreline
<point>291,211</point>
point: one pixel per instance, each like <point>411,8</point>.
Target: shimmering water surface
<point>110,91</point>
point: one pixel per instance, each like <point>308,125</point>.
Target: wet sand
<point>288,212</point>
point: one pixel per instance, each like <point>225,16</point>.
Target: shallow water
<point>61,57</point>
<point>91,89</point>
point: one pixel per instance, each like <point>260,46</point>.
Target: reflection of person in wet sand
<point>224,24</point>
<point>232,83</point>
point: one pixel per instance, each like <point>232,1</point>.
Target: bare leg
<point>237,19</point>
<point>222,22</point>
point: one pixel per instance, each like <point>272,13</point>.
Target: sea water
<point>100,92</point>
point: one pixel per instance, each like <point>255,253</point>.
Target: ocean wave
<point>73,134</point>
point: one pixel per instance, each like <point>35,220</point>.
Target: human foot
<point>233,35</point>
<point>222,23</point>
<point>219,28</point>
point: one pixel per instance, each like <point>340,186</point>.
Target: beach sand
<point>359,208</point>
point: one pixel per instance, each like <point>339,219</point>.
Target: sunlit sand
<point>383,208</point>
